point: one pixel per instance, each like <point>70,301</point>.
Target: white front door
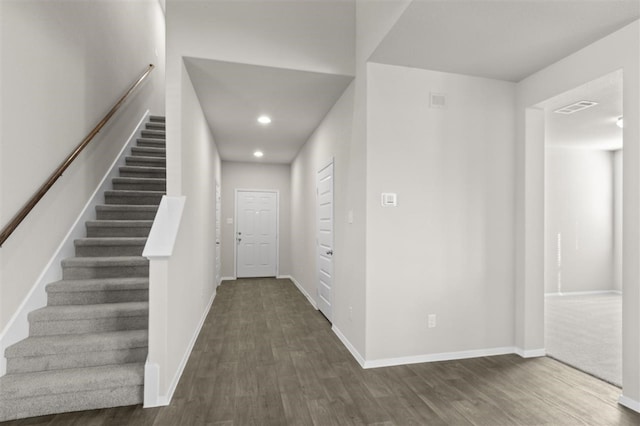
<point>324,213</point>
<point>256,234</point>
<point>218,242</point>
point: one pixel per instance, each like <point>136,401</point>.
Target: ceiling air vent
<point>575,107</point>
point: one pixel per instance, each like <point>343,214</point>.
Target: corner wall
<point>331,141</point>
<point>447,248</point>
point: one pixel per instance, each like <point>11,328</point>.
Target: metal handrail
<point>26,209</point>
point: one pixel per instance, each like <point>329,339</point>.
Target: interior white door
<point>218,233</point>
<point>324,229</point>
<point>256,234</point>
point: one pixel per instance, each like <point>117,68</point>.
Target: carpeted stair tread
<point>75,343</point>
<point>110,246</point>
<point>156,125</point>
<point>103,310</point>
<point>142,171</point>
<point>148,151</point>
<point>111,241</point>
<point>15,386</point>
<point>104,261</point>
<point>125,196</point>
<point>152,142</point>
<point>159,134</point>
<point>138,160</point>
<point>126,212</point>
<point>157,118</point>
<point>140,184</point>
<point>98,290</point>
<point>98,284</point>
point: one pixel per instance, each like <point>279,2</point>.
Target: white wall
<point>618,51</point>
<point>447,248</point>
<point>190,274</point>
<point>63,65</point>
<point>255,176</point>
<point>330,142</point>
<point>579,205</point>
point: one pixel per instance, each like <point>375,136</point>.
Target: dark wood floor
<point>265,357</point>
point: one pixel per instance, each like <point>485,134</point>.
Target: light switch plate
<point>389,199</point>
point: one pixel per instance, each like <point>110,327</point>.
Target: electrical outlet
<point>432,320</point>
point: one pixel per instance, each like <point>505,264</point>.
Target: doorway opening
<point>583,227</point>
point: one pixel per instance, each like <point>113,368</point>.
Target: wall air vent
<point>575,107</point>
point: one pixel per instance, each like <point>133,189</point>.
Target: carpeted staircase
<point>87,348</point>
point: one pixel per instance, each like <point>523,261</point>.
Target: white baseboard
<point>227,279</point>
<point>18,326</point>
<point>354,352</point>
<point>582,293</point>
<point>302,290</point>
<point>530,353</point>
<point>631,404</point>
<point>446,356</point>
<point>152,370</point>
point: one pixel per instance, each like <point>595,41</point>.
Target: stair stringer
<point>17,328</point>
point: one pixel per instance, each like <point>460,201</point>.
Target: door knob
<point>330,252</point>
<point>239,239</point>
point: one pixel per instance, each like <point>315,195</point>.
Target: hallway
<point>266,357</point>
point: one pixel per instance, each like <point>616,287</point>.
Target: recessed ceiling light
<point>258,154</point>
<point>620,122</point>
<point>264,119</point>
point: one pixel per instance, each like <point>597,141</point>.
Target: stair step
<point>118,228</point>
<point>158,134</point>
<point>110,246</point>
<point>74,389</point>
<point>148,151</point>
<point>146,198</point>
<point>82,268</point>
<point>158,143</point>
<point>143,172</point>
<point>80,319</point>
<point>155,125</point>
<point>157,118</point>
<point>139,184</point>
<point>95,291</point>
<point>146,161</point>
<point>45,353</point>
<point>125,212</point>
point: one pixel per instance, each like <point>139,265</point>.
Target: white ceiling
<point>500,39</point>
<point>233,95</point>
<point>593,128</point>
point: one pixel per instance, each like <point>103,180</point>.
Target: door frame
<point>235,227</point>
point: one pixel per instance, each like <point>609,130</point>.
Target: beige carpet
<point>586,333</point>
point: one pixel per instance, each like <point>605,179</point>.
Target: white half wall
<point>252,176</point>
<point>64,64</point>
<point>447,249</point>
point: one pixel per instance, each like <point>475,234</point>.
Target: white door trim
<point>235,227</point>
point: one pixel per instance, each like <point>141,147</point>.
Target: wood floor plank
<point>266,357</point>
